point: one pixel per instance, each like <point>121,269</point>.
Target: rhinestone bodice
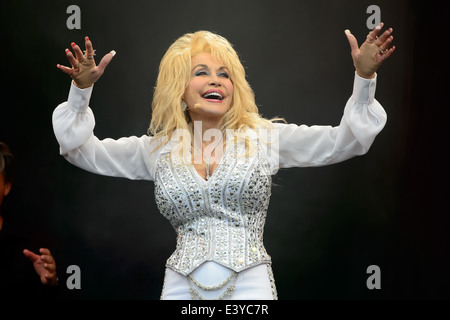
<point>220,220</point>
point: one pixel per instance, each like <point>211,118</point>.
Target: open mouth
<point>215,95</point>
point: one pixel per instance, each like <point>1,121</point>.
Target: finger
<point>352,41</point>
<point>385,46</point>
<point>30,255</point>
<point>106,60</point>
<point>384,36</point>
<point>89,47</point>
<point>387,54</point>
<point>65,69</point>
<point>50,276</point>
<point>71,58</point>
<point>49,279</point>
<point>78,53</point>
<point>45,278</point>
<point>44,251</point>
<point>46,258</point>
<point>372,36</point>
<point>50,267</point>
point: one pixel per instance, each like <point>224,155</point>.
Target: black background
<point>325,225</point>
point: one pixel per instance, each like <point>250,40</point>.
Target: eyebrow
<point>205,66</point>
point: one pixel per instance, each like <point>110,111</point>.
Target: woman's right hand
<point>84,71</point>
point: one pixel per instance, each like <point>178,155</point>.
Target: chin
<point>212,109</point>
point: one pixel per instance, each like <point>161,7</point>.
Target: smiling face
<point>210,91</point>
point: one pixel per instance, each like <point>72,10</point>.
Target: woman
<point>211,155</point>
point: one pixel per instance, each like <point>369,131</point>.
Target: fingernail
<point>73,44</point>
<point>86,39</point>
<point>113,53</point>
<point>67,50</point>
<point>58,66</point>
<point>347,32</point>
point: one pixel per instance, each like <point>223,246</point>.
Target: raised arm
<point>306,146</point>
<point>74,122</point>
<point>363,119</point>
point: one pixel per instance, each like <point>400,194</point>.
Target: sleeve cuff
<point>78,100</point>
<point>364,89</point>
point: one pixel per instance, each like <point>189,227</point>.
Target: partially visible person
<point>23,273</point>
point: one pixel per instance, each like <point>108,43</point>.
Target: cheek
<point>230,88</point>
<point>195,85</point>
<point>231,91</point>
<point>192,89</point>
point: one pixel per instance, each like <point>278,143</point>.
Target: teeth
<point>213,95</point>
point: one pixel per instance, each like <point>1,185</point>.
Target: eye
<point>224,75</point>
<point>200,73</point>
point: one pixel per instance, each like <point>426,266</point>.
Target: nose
<point>215,81</point>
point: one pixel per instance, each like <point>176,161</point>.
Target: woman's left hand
<point>372,53</point>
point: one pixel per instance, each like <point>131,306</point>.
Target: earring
<point>184,106</point>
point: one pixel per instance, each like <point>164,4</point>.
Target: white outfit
<point>219,222</point>
<point>251,284</point>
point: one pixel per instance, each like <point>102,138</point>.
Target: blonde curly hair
<point>173,79</point>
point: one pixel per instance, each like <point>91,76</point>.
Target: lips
<point>214,95</point>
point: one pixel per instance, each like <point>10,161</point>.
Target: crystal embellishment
<point>221,219</point>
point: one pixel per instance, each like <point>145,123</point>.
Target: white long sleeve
<point>73,125</point>
<point>297,146</point>
<point>306,146</point>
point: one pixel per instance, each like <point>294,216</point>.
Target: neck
<point>206,131</point>
<point>208,142</point>
<point>206,124</point>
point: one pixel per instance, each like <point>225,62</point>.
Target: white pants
<point>251,284</point>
